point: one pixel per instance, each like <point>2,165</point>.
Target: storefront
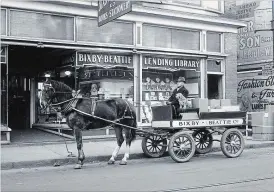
<point>138,58</point>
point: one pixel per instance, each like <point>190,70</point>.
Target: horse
<point>85,113</point>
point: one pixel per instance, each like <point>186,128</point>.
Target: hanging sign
<point>103,60</point>
<point>4,55</point>
<point>171,63</point>
<point>109,10</point>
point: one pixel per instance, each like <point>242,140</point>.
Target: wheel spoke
<point>150,149</point>
<point>158,148</point>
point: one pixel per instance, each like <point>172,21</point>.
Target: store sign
<point>255,94</point>
<point>93,74</point>
<point>170,63</point>
<point>104,60</point>
<point>4,55</point>
<point>109,10</point>
<point>207,123</point>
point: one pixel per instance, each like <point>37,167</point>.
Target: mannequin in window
<point>94,90</point>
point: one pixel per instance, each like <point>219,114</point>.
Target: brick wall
<point>231,66</point>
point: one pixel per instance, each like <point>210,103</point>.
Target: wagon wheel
<point>154,146</point>
<point>181,147</point>
<point>232,143</point>
<point>203,140</point>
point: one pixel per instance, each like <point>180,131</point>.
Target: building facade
<point>138,56</point>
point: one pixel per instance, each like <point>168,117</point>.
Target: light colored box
<point>225,102</point>
<point>262,137</point>
<point>269,108</point>
<point>189,116</point>
<point>214,103</point>
<point>202,104</point>
<point>231,108</point>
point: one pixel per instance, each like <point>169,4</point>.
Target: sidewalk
<point>51,154</point>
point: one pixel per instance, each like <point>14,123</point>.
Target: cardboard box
<point>225,102</point>
<point>269,108</point>
<point>214,103</point>
<point>189,116</point>
<point>202,104</point>
<point>231,108</point>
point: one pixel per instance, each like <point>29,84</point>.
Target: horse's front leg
<point>79,141</point>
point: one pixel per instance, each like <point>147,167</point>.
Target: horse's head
<point>47,95</point>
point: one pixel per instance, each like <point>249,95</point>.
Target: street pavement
<point>252,171</point>
<point>25,156</point>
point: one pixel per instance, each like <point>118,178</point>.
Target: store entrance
<point>24,65</point>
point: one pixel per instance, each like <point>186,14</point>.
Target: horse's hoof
<point>123,162</point>
<point>78,166</point>
<point>111,162</point>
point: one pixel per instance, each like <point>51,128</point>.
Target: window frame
<point>221,73</point>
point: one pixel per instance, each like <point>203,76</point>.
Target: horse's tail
<point>133,131</point>
<point>134,124</point>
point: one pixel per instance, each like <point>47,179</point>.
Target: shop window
<point>113,32</point>
<point>3,22</point>
<point>39,25</point>
<point>213,42</point>
<point>106,75</point>
<point>159,79</point>
<point>214,86</point>
<point>157,36</point>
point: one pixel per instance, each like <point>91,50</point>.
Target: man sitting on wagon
<point>178,98</point>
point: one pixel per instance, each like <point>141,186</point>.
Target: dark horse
<point>116,109</point>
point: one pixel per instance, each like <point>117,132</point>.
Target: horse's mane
<point>60,86</point>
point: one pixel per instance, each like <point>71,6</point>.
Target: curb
<point>97,159</point>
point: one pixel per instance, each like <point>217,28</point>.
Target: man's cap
<point>181,79</point>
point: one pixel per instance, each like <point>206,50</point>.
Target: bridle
<point>49,102</point>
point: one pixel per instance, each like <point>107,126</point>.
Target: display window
<point>114,82</point>
<point>160,78</point>
<point>105,75</point>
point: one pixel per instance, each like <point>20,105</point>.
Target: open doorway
<point>214,86</point>
<point>25,65</point>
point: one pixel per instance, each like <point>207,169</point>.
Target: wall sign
<point>4,55</point>
<point>207,123</point>
<point>253,45</point>
<point>255,94</point>
<point>170,63</point>
<point>110,10</point>
<point>86,58</point>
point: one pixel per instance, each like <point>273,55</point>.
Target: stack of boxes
<point>214,105</point>
<point>263,124</point>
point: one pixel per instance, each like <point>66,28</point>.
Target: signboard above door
<point>109,10</point>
